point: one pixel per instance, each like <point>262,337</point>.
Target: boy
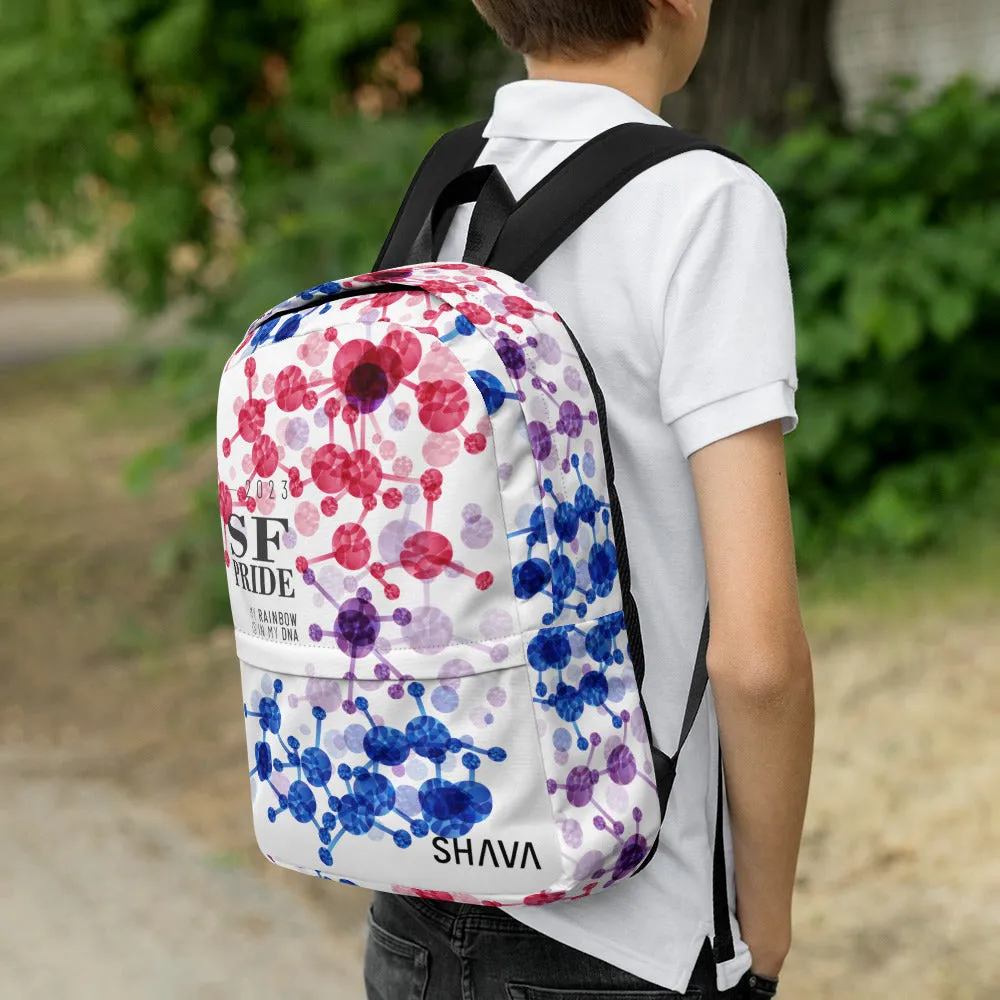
<point>678,290</point>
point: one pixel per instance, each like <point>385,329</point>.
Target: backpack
<point>441,655</point>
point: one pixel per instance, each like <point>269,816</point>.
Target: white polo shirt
<point>679,293</point>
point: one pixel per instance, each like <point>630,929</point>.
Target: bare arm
<point>761,674</point>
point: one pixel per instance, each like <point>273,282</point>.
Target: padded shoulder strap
<point>556,207</point>
<point>454,153</point>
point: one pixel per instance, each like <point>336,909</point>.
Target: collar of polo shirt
<point>556,110</point>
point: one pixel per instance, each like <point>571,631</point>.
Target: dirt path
<point>104,899</point>
<point>899,881</point>
<point>38,322</point>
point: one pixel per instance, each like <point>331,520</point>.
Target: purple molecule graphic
<point>429,630</point>
<point>297,433</point>
<point>478,530</point>
<point>572,378</point>
<point>444,699</point>
<point>497,697</point>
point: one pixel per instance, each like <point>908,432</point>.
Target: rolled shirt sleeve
<point>729,343</point>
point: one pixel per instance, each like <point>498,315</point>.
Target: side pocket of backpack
<point>595,749</point>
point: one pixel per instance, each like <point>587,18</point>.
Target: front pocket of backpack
<point>431,780</point>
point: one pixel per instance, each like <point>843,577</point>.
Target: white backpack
<point>440,652</point>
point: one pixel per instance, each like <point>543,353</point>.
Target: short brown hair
<point>575,28</point>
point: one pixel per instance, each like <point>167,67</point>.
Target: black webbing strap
<point>559,204</point>
<point>454,153</point>
<point>699,684</point>
<point>494,202</point>
<point>664,767</point>
<point>723,946</point>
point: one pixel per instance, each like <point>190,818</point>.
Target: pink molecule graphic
<point>307,519</point>
<point>264,456</point>
<point>351,547</point>
<point>290,388</point>
<point>443,404</point>
<point>251,419</point>
<point>426,555</point>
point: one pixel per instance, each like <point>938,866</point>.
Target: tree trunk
<point>767,62</point>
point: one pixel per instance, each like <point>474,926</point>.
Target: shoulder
<point>703,182</point>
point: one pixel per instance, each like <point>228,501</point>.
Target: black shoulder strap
<point>556,207</point>
<point>699,684</point>
<point>723,946</point>
<point>454,153</point>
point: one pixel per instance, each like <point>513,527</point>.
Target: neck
<point>636,71</point>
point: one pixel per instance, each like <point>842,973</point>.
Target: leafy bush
<point>894,246</point>
<point>197,122</point>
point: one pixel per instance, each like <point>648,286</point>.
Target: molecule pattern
<point>586,701</point>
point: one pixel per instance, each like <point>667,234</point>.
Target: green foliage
<point>154,113</point>
<point>894,243</point>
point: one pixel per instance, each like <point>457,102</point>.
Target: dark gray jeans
<point>423,950</point>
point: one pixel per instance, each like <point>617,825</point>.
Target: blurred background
<point>169,169</point>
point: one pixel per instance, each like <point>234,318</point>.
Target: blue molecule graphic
<point>549,649</point>
<point>301,802</point>
<point>586,504</point>
<point>376,791</point>
<point>568,702</point>
<point>530,578</point>
<point>355,815</point>
<point>385,745</point>
<point>600,643</point>
<point>453,809</point>
<point>429,737</point>
<point>289,328</point>
<point>262,756</point>
<point>492,389</point>
<point>566,522</point>
<point>538,530</point>
<point>327,288</point>
<point>571,587</point>
<point>263,333</point>
<point>269,715</point>
<point>594,688</point>
<point>316,766</point>
<point>603,566</point>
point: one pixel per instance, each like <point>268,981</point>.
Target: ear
<point>680,8</point>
